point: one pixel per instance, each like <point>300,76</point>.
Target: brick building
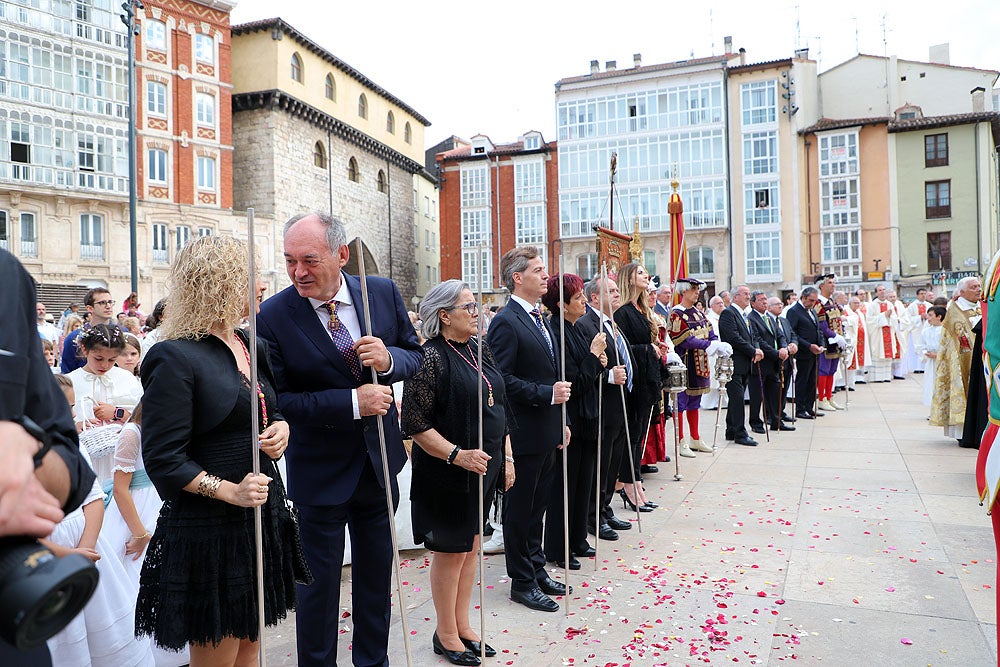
<point>185,136</point>
<point>495,197</point>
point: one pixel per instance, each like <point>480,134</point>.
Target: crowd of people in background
<point>602,350</point>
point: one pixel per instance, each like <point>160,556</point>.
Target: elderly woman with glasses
<point>440,411</point>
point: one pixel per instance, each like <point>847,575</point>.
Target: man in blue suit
<point>522,343</point>
<point>322,365</point>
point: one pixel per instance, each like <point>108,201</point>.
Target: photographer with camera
<point>42,475</point>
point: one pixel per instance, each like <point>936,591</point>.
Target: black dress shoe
<point>860,382</point>
<point>803,415</point>
<point>650,504</point>
<point>477,649</point>
<point>589,552</point>
<point>746,440</point>
<point>574,564</point>
<point>782,427</point>
<point>786,418</point>
<point>757,429</point>
<point>648,469</point>
<point>465,657</point>
<point>617,524</point>
<point>550,586</point>
<point>534,598</point>
<point>604,532</point>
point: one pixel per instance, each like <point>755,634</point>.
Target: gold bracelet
<point>142,537</point>
<point>208,486</point>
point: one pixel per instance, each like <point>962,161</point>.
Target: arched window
<point>363,106</point>
<point>319,155</point>
<point>390,123</point>
<point>407,133</point>
<point>331,88</point>
<point>352,170</point>
<point>383,186</point>
<point>296,68</point>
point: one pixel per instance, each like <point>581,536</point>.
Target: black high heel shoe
<point>476,649</point>
<point>465,657</point>
<point>628,504</point>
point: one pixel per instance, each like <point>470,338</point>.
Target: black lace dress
<point>443,395</point>
<point>198,582</point>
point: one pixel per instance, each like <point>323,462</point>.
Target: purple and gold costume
<point>829,314</point>
<point>691,334</point>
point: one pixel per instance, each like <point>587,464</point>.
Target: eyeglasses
<point>106,302</point>
<point>471,308</point>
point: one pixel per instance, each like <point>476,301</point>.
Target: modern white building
<point>63,137</point>
<point>662,120</point>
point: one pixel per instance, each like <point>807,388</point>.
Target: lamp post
<point>127,16</point>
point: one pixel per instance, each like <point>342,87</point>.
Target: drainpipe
<point>729,176</point>
<point>809,209</point>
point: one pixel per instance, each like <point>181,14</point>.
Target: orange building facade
<point>495,197</point>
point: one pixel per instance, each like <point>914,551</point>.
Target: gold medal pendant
<point>489,400</point>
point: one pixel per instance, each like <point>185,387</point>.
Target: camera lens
<point>39,593</point>
<point>54,604</point>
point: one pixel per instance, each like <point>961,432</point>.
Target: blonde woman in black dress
<point>198,583</point>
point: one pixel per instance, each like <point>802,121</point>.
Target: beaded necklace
<point>260,392</point>
<point>475,366</point>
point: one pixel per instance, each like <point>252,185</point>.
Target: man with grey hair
<point>811,344</point>
<point>954,360</point>
<point>664,301</point>
<point>735,329</point>
<point>522,344</point>
<point>714,399</point>
<point>322,358</point>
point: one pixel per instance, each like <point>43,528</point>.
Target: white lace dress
<point>103,635</point>
<point>128,458</point>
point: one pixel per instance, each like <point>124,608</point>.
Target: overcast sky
<point>489,68</point>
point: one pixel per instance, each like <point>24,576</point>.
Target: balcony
<point>29,248</point>
<point>161,256</point>
<point>92,252</point>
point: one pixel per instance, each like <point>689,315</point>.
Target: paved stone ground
<point>856,540</point>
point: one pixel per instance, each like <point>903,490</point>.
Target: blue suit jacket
<point>327,447</point>
<point>529,372</point>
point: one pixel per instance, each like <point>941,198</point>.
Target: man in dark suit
<point>735,330</point>
<point>522,345</point>
<point>775,348</point>
<point>775,307</point>
<point>664,301</point>
<point>618,380</point>
<point>802,317</point>
<point>322,367</point>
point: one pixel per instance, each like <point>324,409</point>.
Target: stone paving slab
<point>829,545</point>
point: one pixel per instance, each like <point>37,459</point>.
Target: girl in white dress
<point>105,396</point>
<point>928,347</point>
<point>131,516</point>
<point>103,634</point>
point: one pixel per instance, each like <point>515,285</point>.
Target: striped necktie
<point>342,339</point>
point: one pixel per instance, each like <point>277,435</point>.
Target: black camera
<point>40,593</point>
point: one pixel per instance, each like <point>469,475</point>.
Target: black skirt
<point>198,582</point>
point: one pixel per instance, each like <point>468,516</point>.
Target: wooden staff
<point>598,491</point>
<point>763,405</point>
<point>255,431</point>
<point>628,441</point>
<point>366,307</point>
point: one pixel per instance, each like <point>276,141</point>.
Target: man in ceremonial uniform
<point>694,340</point>
<point>828,314</point>
<point>882,322</point>
<point>916,314</point>
<point>954,361</point>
